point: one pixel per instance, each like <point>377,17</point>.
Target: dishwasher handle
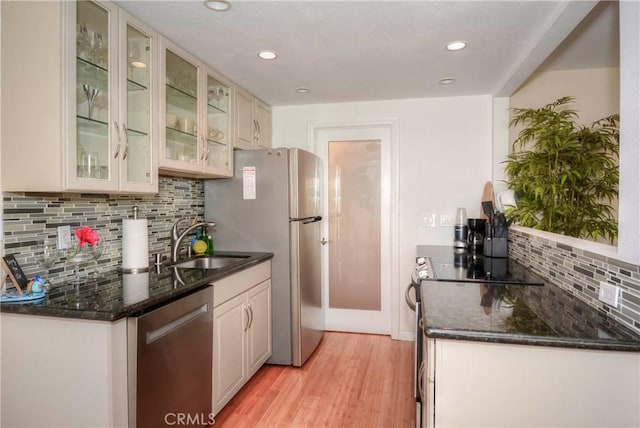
<point>171,326</point>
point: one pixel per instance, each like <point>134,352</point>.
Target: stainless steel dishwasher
<point>170,351</point>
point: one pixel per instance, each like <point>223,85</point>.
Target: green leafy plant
<point>565,176</point>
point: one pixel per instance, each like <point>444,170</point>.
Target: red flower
<point>86,235</point>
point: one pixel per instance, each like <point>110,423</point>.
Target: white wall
<point>596,92</point>
<point>444,159</point>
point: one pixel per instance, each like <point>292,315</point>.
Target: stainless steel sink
<point>213,262</point>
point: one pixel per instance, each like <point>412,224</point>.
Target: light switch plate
<point>609,294</point>
<point>64,237</point>
<point>429,220</point>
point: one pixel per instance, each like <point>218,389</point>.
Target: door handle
<point>246,311</point>
<point>324,241</point>
<point>170,327</point>
<point>126,139</point>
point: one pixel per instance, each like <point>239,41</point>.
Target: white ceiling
<point>370,50</point>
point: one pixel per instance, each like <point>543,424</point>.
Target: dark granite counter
<point>519,314</point>
<point>118,295</point>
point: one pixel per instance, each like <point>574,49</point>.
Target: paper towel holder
<point>133,270</point>
<point>133,266</point>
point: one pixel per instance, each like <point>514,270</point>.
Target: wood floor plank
<point>352,380</point>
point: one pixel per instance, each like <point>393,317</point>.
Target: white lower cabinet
<point>241,330</point>
<point>63,372</point>
<point>475,384</point>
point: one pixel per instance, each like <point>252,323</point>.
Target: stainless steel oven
<point>419,272</point>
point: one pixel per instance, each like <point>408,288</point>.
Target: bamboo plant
<point>565,176</point>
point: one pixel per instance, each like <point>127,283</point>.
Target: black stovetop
<point>443,263</point>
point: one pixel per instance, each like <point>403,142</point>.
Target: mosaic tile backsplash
<point>31,217</point>
<point>580,272</point>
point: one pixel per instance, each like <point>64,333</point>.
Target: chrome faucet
<point>177,237</point>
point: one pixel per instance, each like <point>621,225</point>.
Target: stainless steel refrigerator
<point>272,204</point>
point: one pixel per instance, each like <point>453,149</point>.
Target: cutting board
<point>487,195</point>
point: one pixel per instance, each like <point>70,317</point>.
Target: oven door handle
<point>421,371</point>
<point>407,297</point>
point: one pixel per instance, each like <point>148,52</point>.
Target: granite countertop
<point>519,314</point>
<point>118,295</point>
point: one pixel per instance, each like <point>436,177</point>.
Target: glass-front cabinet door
<point>114,111</point>
<point>216,135</point>
<point>137,170</point>
<point>89,159</point>
<point>197,123</point>
<point>181,111</point>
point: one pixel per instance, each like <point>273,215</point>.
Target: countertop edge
<point>518,339</point>
<point>137,308</point>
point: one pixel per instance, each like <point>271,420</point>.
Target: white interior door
<point>357,208</point>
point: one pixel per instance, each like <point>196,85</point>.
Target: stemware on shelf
<point>91,94</point>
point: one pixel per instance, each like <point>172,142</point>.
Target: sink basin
<point>213,262</point>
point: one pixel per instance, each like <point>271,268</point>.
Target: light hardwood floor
<point>352,380</point>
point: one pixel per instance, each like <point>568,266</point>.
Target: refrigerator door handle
<point>312,219</point>
<point>307,220</point>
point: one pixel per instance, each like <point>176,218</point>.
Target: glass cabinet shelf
<point>221,143</point>
<point>179,134</point>
<point>87,125</point>
<point>132,86</point>
<point>213,109</point>
<point>92,74</point>
<point>136,133</point>
<point>181,99</point>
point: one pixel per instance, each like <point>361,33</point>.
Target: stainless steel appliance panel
<point>263,224</point>
<point>171,362</point>
<point>306,309</point>
<point>304,179</point>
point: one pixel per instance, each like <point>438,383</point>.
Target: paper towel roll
<point>135,244</point>
<point>135,287</point>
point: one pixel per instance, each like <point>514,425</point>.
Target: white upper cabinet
<point>95,101</point>
<point>195,115</point>
<point>252,121</point>
<point>80,116</point>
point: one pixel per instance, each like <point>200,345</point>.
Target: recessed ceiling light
<point>303,90</point>
<point>218,5</point>
<point>447,81</point>
<point>456,46</point>
<point>267,54</point>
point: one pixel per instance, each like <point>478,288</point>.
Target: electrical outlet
<point>429,220</point>
<point>64,237</point>
<point>446,220</point>
<point>609,294</point>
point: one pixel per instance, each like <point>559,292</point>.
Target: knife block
<point>495,247</point>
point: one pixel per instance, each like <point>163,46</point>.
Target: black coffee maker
<point>475,235</point>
